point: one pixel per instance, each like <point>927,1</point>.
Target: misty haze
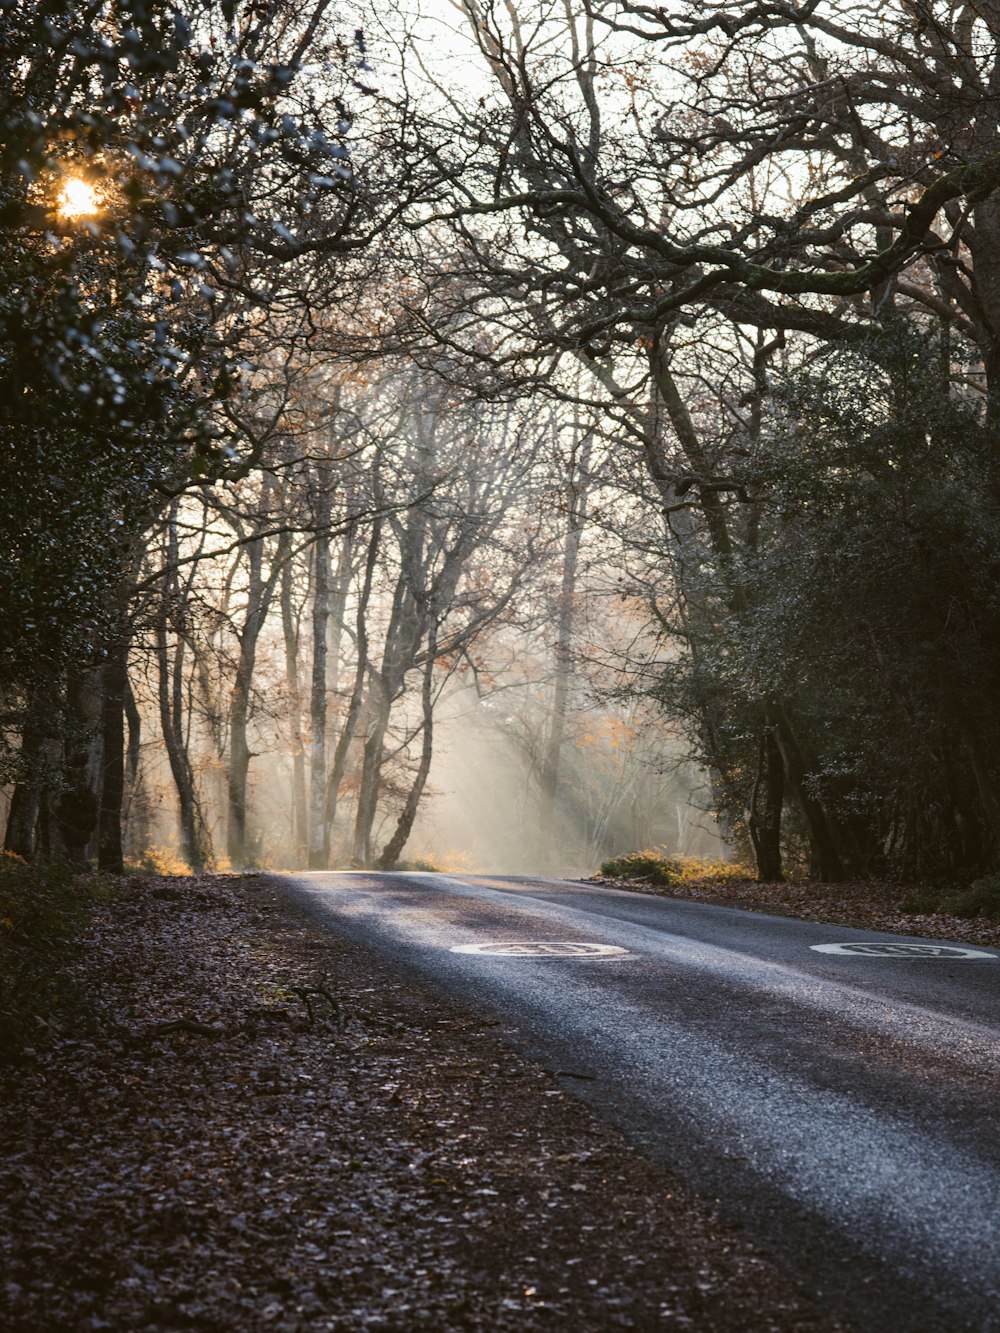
<point>500,665</point>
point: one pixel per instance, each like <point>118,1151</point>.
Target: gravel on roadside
<point>256,1125</point>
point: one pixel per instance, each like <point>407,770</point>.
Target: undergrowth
<point>43,908</point>
<point>980,899</point>
<point>159,861</point>
<point>654,865</point>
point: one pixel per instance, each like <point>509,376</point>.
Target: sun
<point>78,198</point>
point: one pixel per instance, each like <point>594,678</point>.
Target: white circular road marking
<point>890,949</point>
<point>541,949</point>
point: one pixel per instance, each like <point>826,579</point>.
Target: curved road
<point>842,1104</point>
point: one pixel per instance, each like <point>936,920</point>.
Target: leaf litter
<point>257,1126</point>
<point>859,904</point>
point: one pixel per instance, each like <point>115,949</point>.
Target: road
<point>841,1104</point>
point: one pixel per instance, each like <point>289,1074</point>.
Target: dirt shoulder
<point>260,1127</point>
<point>865,905</point>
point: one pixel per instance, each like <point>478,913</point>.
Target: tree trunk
<point>25,803</point>
<point>338,608</point>
<point>987,792</point>
<point>555,740</point>
<point>300,819</point>
<point>402,640</point>
<point>239,762</point>
<point>260,590</point>
<point>827,863</point>
<point>135,833</point>
<point>77,806</point>
<point>170,695</point>
<point>317,702</point>
<point>134,718</point>
<point>371,772</point>
<point>114,675</point>
<point>765,811</point>
<point>404,826</point>
<point>349,727</point>
<point>22,818</point>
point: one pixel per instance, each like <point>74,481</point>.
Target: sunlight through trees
<point>501,434</point>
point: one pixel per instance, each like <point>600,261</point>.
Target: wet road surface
<point>838,1095</point>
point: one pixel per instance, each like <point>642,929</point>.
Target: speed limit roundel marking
<point>540,949</point>
<point>902,949</point>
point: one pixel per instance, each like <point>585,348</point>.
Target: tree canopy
<point>332,355</point>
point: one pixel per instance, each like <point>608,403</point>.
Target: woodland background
<point>550,428</point>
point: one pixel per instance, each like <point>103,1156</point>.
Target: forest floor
<point>865,905</point>
<point>238,1121</point>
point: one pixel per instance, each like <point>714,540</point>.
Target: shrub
<point>656,866</point>
<point>694,869</point>
<point>981,898</point>
<point>159,861</point>
<point>652,866</point>
<point>924,900</point>
<point>451,861</point>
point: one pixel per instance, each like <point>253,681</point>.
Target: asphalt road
<point>841,1105</point>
